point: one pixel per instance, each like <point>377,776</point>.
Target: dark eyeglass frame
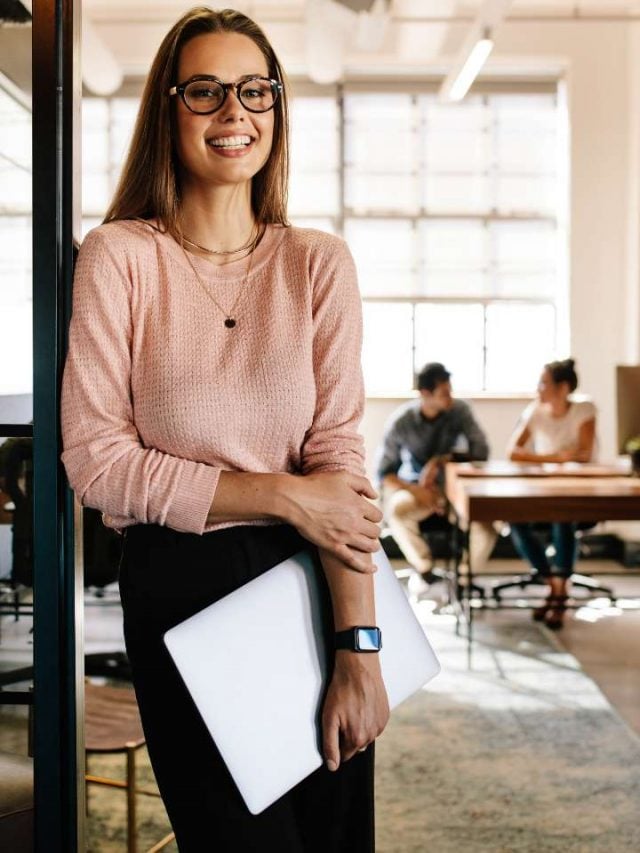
<point>276,88</point>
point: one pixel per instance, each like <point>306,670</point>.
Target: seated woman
<point>554,428</point>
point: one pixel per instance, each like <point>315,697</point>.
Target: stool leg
<point>131,800</point>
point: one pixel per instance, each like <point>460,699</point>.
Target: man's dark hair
<point>432,375</point>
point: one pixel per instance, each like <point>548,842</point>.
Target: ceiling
<point>126,33</point>
<point>132,29</point>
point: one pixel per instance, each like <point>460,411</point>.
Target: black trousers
<point>165,577</point>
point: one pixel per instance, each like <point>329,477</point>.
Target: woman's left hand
<point>356,708</point>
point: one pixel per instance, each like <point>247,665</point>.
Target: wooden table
<point>509,492</point>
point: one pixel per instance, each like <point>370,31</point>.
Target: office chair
<point>535,578</point>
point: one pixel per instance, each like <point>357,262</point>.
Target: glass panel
<point>387,348</point>
<point>533,118</point>
<point>313,193</point>
<point>520,339</point>
<point>16,334</point>
<point>455,138</point>
<point>526,195</point>
<point>540,285</point>
<point>381,153</point>
<point>470,115</point>
<point>455,142</point>
<point>16,586</point>
<point>381,193</point>
<point>380,133</point>
<point>320,223</point>
<point>521,150</point>
<point>89,222</point>
<point>384,251</point>
<point>452,283</point>
<point>314,134</point>
<point>314,185</point>
<point>15,155</point>
<point>454,245</point>
<point>524,246</point>
<point>96,192</point>
<point>453,335</point>
<point>123,117</point>
<point>16,347</point>
<point>16,399</point>
<point>96,187</point>
<point>462,194</point>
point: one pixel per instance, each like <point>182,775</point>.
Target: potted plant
<point>633,449</point>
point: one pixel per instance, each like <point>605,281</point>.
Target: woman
<point>554,428</point>
<point>210,408</point>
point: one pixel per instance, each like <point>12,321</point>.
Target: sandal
<point>539,613</point>
<point>555,615</point>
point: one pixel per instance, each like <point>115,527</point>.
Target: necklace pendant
<point>229,322</point>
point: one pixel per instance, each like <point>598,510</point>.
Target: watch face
<point>368,639</point>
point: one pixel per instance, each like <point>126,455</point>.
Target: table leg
<point>467,597</point>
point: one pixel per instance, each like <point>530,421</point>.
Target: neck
<point>218,218</point>
<point>428,411</point>
<point>559,407</point>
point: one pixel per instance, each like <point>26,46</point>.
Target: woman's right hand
<point>332,510</point>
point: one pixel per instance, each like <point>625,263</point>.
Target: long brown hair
<point>149,185</point>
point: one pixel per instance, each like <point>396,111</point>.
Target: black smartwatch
<point>360,638</point>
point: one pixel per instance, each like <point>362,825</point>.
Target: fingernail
<point>331,765</point>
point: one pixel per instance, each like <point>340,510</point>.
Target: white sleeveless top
<point>551,434</point>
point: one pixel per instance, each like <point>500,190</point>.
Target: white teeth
<point>230,141</point>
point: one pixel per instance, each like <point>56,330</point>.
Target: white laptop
<point>254,664</point>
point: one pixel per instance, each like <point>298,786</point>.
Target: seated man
<point>420,436</point>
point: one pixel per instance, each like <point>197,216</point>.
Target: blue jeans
<point>532,549</point>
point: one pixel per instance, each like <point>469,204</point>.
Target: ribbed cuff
<point>192,500</point>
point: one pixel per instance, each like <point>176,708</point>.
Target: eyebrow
<point>240,79</point>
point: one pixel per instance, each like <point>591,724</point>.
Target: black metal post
<point>59,762</point>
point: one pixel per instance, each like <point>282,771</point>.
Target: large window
<point>454,215</point>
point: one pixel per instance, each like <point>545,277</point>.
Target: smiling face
<point>231,145</point>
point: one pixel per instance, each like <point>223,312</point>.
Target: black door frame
<point>58,600</point>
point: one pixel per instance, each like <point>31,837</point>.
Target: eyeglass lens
<point>204,96</point>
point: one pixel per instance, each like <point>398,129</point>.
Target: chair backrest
<point>16,466</point>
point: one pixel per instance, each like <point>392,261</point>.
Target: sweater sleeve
<point>106,462</point>
<point>333,441</point>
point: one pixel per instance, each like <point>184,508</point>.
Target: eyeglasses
<point>205,95</point>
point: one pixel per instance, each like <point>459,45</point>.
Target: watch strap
<point>351,639</point>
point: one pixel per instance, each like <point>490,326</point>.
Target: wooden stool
<point>112,724</point>
<point>16,802</point>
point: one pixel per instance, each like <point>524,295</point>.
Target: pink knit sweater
<point>159,397</point>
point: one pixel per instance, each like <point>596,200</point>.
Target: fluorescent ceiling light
<point>461,84</point>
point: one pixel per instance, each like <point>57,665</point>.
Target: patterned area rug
<point>519,754</point>
<point>522,752</point>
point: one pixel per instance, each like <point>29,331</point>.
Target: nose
<point>232,108</point>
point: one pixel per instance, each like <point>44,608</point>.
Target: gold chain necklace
<point>248,246</point>
<point>230,321</point>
